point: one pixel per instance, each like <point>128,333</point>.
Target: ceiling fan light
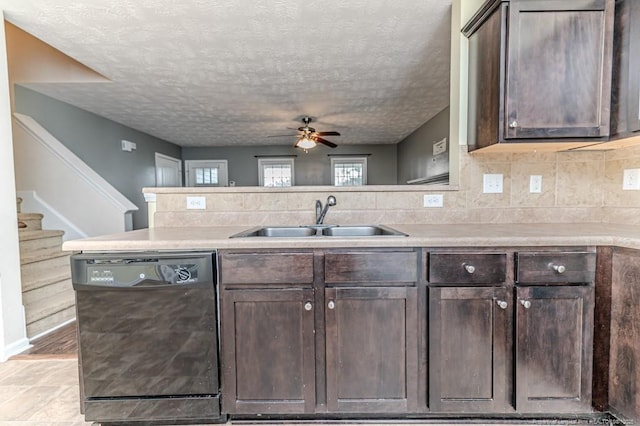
<point>305,143</point>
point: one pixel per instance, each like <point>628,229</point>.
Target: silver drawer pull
<point>502,304</point>
<point>525,303</point>
<point>559,268</point>
<point>469,268</point>
<point>331,304</point>
<point>308,306</point>
<point>513,124</point>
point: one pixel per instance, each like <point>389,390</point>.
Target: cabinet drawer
<point>467,268</point>
<point>382,267</point>
<point>266,268</point>
<point>559,267</point>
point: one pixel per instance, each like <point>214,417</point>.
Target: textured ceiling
<point>231,72</point>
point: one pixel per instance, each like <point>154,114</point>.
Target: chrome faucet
<point>322,212</point>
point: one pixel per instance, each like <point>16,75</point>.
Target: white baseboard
<point>44,333</point>
<point>15,348</point>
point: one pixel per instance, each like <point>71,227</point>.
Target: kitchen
<point>566,201</point>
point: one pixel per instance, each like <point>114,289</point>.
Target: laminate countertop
<point>458,235</point>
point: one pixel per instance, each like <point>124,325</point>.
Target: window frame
<point>223,171</point>
<point>264,162</point>
<point>346,160</point>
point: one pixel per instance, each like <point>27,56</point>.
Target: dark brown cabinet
<point>268,354</point>
<point>554,341</point>
<point>267,334</point>
<point>624,380</point>
<point>371,330</point>
<point>371,346</point>
<point>625,112</point>
<point>539,71</point>
<point>470,345</point>
<point>470,323</point>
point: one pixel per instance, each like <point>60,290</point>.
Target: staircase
<point>47,293</point>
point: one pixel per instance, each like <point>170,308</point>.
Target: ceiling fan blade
<point>324,141</point>
<point>281,136</point>
<point>327,133</point>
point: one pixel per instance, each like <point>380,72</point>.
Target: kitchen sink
<point>278,231</point>
<point>319,231</point>
<point>361,231</point>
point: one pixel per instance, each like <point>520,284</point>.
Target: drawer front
<point>560,267</point>
<point>266,268</point>
<point>467,268</point>
<point>382,267</point>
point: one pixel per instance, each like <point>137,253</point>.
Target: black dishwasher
<point>147,336</point>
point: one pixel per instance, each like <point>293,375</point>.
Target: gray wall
<point>97,141</point>
<point>312,168</point>
<point>415,152</point>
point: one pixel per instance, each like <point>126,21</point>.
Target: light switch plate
<point>492,183</point>
<point>433,200</point>
<point>196,203</point>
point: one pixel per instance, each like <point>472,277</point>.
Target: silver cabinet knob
<point>308,306</point>
<point>502,304</point>
<point>525,303</point>
<point>513,124</point>
<point>559,268</point>
<point>331,304</point>
<point>469,268</point>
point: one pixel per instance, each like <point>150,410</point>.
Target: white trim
<point>349,159</point>
<point>15,348</point>
<point>71,231</point>
<point>72,161</point>
<point>44,333</point>
<point>169,158</point>
<point>262,162</point>
<point>223,168</point>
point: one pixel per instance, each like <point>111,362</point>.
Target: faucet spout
<point>322,212</point>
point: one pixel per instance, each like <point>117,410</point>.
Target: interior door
<point>168,170</point>
<point>207,172</point>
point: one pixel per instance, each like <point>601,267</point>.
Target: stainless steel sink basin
<point>320,231</point>
<point>361,231</point>
<point>278,231</point>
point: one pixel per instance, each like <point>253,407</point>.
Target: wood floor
<point>59,344</point>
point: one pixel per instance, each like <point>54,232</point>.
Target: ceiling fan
<point>308,137</point>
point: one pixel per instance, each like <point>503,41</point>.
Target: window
<point>206,172</point>
<point>348,171</point>
<point>275,172</point>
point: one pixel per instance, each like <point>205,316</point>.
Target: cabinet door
<point>268,352</point>
<point>554,343</point>
<point>559,68</point>
<point>469,349</point>
<point>371,341</point>
<point>633,116</point>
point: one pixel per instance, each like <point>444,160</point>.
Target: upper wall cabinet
<point>540,71</point>
<point>625,113</point>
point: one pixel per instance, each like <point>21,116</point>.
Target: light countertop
<point>465,235</point>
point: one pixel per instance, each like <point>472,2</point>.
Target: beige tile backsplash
<point>576,187</point>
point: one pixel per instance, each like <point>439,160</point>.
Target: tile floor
<point>43,391</point>
<point>40,392</point>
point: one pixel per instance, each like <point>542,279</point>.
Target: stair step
<point>33,296</point>
<point>38,274</point>
<point>40,247</point>
<point>50,322</point>
<point>32,220</point>
<point>48,306</point>
<point>38,234</point>
<point>45,255</point>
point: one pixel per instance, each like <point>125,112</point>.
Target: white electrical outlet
<point>535,184</point>
<point>433,200</point>
<point>492,183</point>
<point>196,203</point>
<point>631,179</point>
